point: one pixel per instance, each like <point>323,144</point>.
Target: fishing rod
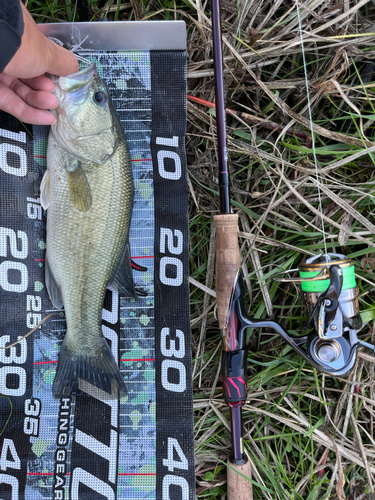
<point>228,262</point>
<point>328,288</point>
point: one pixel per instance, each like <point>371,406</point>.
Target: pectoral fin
<point>123,280</point>
<point>45,190</point>
<point>79,188</point>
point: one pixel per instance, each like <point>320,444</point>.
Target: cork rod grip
<point>238,487</point>
<point>228,261</point>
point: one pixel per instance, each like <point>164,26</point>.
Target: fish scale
<point>87,228</point>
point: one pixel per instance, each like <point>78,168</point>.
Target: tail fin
<point>99,369</point>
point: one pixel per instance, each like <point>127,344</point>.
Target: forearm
<point>11,30</point>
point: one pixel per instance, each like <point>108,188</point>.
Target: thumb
<point>61,61</point>
<point>38,55</point>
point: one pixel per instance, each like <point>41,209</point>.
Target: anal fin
<point>123,281</point>
<point>54,291</point>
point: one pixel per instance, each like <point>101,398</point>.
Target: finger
<point>14,105</point>
<point>40,99</point>
<point>36,98</point>
<point>40,83</point>
<point>61,61</point>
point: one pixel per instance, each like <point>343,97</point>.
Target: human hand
<point>24,90</point>
<point>29,99</point>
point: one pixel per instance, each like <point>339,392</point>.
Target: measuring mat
<point>89,446</point>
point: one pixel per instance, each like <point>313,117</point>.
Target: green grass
<point>301,428</point>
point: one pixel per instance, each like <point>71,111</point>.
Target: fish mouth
<point>75,81</point>
<point>75,87</point>
<point>89,68</point>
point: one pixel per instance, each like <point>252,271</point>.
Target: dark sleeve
<point>11,30</point>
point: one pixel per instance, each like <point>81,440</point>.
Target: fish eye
<point>100,97</point>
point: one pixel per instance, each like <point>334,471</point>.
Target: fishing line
<point>78,46</point>
<point>81,58</point>
<point>75,10</point>
<point>311,126</point>
<point>45,376</point>
<point>31,331</point>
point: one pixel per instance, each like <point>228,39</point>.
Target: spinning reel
<point>331,294</point>
<point>330,291</point>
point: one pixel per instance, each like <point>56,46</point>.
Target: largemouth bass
<point>88,193</point>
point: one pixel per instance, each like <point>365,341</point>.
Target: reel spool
<point>315,273</point>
